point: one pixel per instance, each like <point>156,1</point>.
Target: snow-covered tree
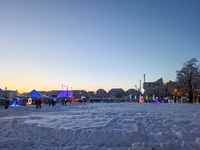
<point>188,77</point>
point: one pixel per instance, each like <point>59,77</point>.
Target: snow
<point>101,126</point>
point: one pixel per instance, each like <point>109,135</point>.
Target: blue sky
<point>92,44</point>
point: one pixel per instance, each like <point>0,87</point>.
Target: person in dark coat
<point>39,104</point>
<point>65,101</point>
<point>6,104</point>
<point>53,102</point>
<point>49,103</point>
<point>62,102</point>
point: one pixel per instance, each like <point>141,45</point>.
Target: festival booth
<point>64,96</point>
<point>31,98</point>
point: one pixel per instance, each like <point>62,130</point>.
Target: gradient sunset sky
<point>92,44</point>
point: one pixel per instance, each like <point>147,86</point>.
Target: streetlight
<point>6,92</point>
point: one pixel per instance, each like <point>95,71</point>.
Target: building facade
<point>116,93</point>
<point>79,93</point>
<point>8,94</point>
<point>101,93</point>
<point>151,85</point>
<point>90,94</point>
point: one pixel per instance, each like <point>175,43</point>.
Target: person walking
<point>39,104</point>
<point>6,104</point>
<point>62,102</point>
<point>49,103</point>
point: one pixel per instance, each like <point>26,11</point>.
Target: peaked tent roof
<point>1,89</point>
<point>34,93</point>
<point>64,93</point>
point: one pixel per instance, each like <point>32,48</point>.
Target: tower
<point>144,82</point>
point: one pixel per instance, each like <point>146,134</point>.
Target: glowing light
<point>142,91</point>
<point>156,101</point>
<point>140,99</point>
<point>14,103</point>
<point>29,101</point>
<point>66,93</point>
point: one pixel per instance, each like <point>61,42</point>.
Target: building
<point>90,94</point>
<point>151,85</point>
<point>101,93</point>
<point>116,93</point>
<point>8,94</point>
<point>131,91</point>
<point>79,93</point>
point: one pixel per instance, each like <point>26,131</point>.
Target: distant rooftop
<point>117,89</point>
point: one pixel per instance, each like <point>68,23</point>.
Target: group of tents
<point>30,98</point>
<point>35,95</point>
<point>62,93</point>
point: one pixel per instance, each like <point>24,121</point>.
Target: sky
<point>93,44</point>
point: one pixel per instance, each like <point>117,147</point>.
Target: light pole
<point>6,92</point>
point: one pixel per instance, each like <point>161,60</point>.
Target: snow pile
<point>102,126</point>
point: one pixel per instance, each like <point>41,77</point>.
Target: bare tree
<point>179,92</point>
<point>169,88</point>
<point>159,91</point>
<point>196,88</point>
<point>188,77</point>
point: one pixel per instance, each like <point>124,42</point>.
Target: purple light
<point>14,103</point>
<point>62,93</point>
<point>66,93</point>
<point>156,100</point>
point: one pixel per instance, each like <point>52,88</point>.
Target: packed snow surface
<point>101,126</point>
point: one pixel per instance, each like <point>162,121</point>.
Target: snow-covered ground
<point>97,126</point>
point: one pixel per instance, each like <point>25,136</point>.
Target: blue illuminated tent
<point>64,93</point>
<point>34,93</point>
<point>1,89</point>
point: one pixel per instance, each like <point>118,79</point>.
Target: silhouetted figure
<point>39,106</point>
<point>53,103</point>
<point>49,103</point>
<point>6,104</point>
<point>37,103</point>
<point>65,101</point>
<point>62,102</point>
